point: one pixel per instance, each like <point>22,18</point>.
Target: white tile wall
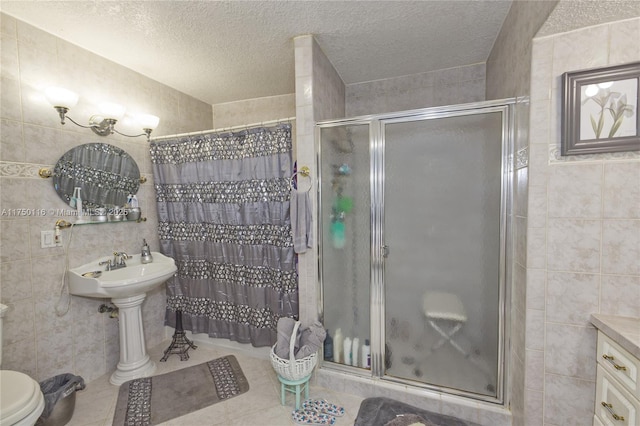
<point>537,206</point>
<point>583,232</point>
<point>620,194</point>
<point>575,191</point>
<point>566,400</point>
<point>508,65</point>
<point>37,341</point>
<point>254,111</point>
<point>534,376</point>
<point>619,293</point>
<point>320,95</point>
<point>569,351</point>
<point>573,245</point>
<point>328,89</point>
<point>571,297</point>
<point>436,88</point>
<point>509,75</point>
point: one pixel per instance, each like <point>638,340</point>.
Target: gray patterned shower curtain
<point>223,214</point>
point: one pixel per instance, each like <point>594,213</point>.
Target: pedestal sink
<point>127,289</point>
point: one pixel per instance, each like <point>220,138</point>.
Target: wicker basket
<point>293,369</point>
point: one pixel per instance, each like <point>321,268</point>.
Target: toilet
<point>21,400</point>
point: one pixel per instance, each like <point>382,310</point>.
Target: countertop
<point>623,330</point>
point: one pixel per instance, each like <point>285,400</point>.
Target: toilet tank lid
<point>20,395</point>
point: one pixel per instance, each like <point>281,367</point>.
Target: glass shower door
<point>345,242</point>
<point>443,248</point>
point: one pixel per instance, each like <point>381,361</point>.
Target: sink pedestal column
<point>134,360</point>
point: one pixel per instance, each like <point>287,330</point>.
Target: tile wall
<point>253,111</point>
<point>320,95</point>
<point>83,341</point>
<point>583,232</point>
<point>257,110</point>
<point>508,76</point>
<point>435,88</point>
<point>509,64</point>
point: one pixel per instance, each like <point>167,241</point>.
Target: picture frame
<point>600,110</point>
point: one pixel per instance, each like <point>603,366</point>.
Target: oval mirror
<point>106,174</point>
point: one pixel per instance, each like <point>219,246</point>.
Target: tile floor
<point>95,405</point>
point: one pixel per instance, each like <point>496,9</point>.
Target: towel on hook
<point>301,222</point>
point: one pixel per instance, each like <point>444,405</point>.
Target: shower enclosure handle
<point>385,251</point>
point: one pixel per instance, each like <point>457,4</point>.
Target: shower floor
<point>444,367</point>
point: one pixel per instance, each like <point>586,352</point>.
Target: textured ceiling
<point>225,51</point>
<point>573,14</point>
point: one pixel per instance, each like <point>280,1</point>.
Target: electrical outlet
<point>48,239</point>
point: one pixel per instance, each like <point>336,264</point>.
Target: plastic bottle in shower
<point>337,345</point>
<point>347,350</point>
<point>366,354</point>
<point>354,351</point>
<point>338,237</point>
<point>328,347</point>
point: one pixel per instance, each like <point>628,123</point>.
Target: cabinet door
<point>614,405</point>
<point>619,363</point>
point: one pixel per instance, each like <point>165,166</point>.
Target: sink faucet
<point>123,256</point>
<point>114,264</point>
<point>105,262</point>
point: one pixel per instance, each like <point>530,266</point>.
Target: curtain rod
<point>226,129</point>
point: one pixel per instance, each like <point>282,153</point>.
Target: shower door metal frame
<point>356,121</point>
<point>377,124</point>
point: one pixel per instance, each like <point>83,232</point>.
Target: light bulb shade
<point>148,121</point>
<point>59,97</point>
<point>112,110</point>
<point>591,90</point>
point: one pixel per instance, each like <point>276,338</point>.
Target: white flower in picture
<point>607,111</point>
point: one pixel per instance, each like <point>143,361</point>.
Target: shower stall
<point>414,224</point>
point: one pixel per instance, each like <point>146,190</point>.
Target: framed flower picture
<point>600,110</point>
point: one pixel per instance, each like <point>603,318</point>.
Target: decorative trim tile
<point>30,170</point>
<point>522,158</point>
<point>555,157</point>
<point>21,170</point>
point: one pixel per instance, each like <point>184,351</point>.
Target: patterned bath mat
<point>153,400</point>
<point>389,412</point>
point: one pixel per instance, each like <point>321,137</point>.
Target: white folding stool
<point>446,315</point>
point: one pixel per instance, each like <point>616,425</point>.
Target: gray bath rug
<point>389,412</point>
<point>153,400</point>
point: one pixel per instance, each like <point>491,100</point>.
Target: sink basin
<point>127,287</point>
<point>136,278</point>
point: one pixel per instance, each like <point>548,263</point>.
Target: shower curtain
<point>223,215</point>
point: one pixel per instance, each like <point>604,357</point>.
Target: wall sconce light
<point>102,124</point>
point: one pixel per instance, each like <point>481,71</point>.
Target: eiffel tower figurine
<point>180,344</point>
